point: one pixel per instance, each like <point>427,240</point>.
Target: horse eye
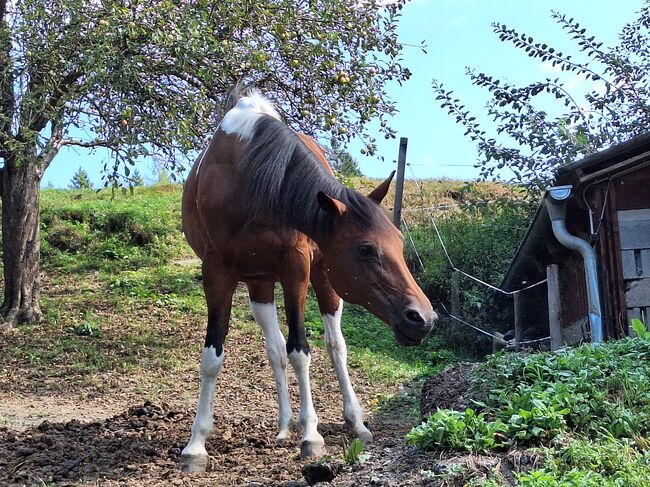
<point>367,251</point>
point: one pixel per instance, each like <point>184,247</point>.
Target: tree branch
<point>92,144</point>
<point>52,147</point>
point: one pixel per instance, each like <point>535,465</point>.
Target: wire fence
<point>429,212</point>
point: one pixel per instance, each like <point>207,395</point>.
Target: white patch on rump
<point>241,118</point>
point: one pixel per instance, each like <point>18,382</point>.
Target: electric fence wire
<point>499,339</point>
<point>451,262</point>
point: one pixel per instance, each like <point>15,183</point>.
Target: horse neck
<point>280,176</point>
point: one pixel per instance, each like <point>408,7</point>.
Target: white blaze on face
<point>240,120</point>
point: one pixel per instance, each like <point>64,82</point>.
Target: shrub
<point>481,240</point>
<point>65,236</point>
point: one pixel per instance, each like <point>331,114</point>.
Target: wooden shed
<point>608,206</point>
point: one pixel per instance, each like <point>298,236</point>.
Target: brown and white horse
<point>262,206</point>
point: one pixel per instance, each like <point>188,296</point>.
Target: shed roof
<point>599,166</point>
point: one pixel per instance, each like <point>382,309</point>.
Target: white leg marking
<point>312,442</point>
<point>202,427</point>
<point>338,353</point>
<point>266,316</point>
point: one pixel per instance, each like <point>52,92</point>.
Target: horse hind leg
<point>331,307</point>
<point>262,302</point>
<point>219,289</point>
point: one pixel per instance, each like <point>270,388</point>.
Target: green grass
<point>86,230</point>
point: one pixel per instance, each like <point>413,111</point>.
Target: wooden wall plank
<point>638,294</point>
<point>634,228</point>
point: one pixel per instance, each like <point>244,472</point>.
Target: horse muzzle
<point>413,326</point>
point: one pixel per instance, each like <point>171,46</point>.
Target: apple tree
<point>147,78</point>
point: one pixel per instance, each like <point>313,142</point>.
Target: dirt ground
<point>125,426</point>
<point>447,390</point>
<point>59,441</point>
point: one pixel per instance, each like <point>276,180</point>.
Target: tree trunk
<point>20,192</point>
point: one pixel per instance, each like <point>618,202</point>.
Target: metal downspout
<point>556,204</point>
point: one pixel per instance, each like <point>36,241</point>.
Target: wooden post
<point>518,320</point>
<point>399,183</point>
<point>555,327</point>
<point>455,293</point>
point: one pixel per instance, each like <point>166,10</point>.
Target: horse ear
<point>379,193</point>
<point>331,206</point>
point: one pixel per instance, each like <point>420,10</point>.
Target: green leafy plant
<point>353,452</point>
<point>465,430</point>
<point>640,329</point>
<point>610,463</point>
<point>599,392</point>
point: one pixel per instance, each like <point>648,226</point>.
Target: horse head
<point>365,265</point>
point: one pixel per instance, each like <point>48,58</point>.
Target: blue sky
<point>458,34</point>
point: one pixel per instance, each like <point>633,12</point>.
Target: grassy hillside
<point>121,286</point>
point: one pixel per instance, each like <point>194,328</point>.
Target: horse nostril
<point>414,317</point>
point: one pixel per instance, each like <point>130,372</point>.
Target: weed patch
<point>589,407</point>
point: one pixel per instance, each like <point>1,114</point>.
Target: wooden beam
<point>518,320</point>
<point>635,162</point>
<point>399,183</point>
<point>554,323</point>
<point>455,293</point>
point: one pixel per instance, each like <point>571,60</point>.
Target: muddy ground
<point>141,445</point>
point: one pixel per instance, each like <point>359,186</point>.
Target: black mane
<point>280,179</point>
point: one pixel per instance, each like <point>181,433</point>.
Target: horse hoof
<point>283,437</point>
<point>364,435</point>
<point>312,449</point>
<point>193,463</point>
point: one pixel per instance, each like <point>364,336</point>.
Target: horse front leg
<point>295,294</point>
<point>331,308</point>
<point>262,301</point>
<point>219,287</point>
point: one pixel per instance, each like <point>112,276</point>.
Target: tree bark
<point>20,192</point>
